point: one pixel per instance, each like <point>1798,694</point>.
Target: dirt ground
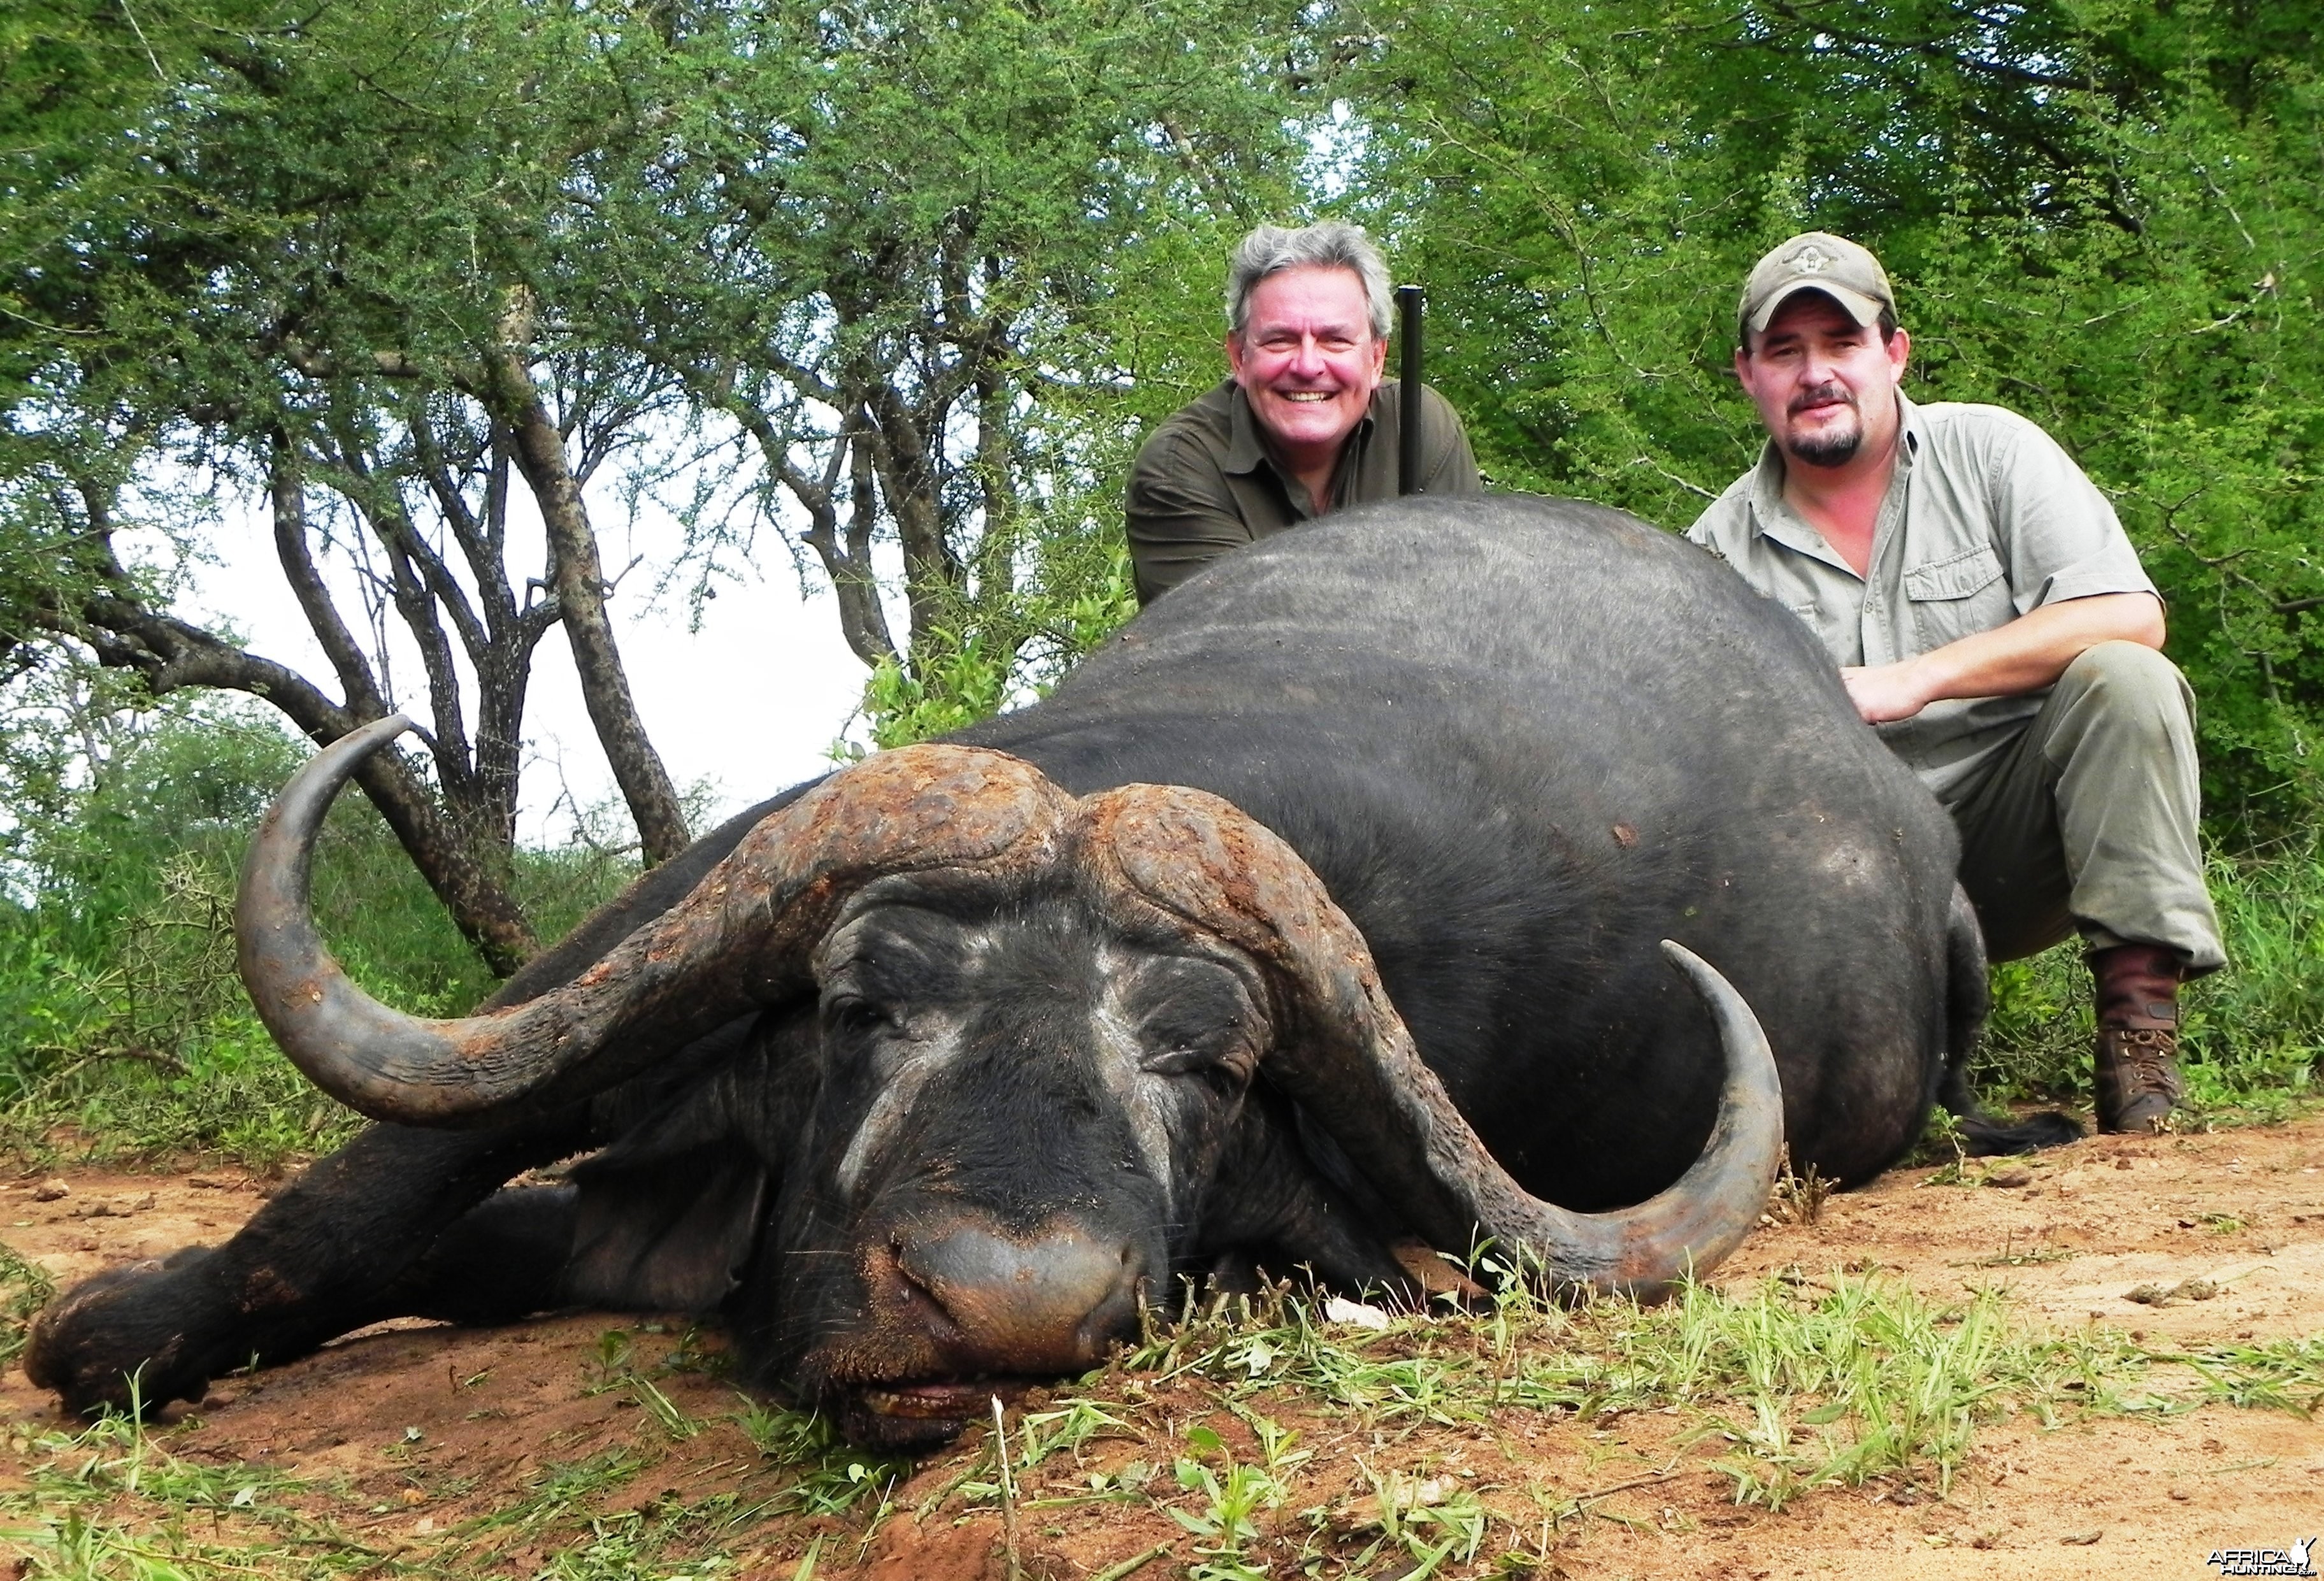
<point>432,1426</point>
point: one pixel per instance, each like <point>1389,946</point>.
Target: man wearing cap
<point>1303,425</point>
<point>1990,618</point>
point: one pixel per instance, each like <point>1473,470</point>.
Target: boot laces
<point>2143,1054</point>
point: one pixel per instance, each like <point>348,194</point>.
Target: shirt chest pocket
<point>1958,597</point>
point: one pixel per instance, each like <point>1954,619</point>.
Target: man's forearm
<point>2026,655</point>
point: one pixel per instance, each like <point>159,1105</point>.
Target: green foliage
<point>2104,216</point>
<point>1799,1383</point>
<point>111,1501</point>
<point>999,651</point>
<point>2279,1375</point>
<point>907,275</point>
<point>834,1477</point>
<point>120,1013</point>
<point>25,1288</point>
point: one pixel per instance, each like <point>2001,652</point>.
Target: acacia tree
<point>910,256</point>
<point>309,273</point>
<point>390,268</point>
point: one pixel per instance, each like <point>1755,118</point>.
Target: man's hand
<point>1884,692</point>
<point>2024,656</point>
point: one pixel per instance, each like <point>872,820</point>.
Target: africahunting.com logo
<point>2265,1561</point>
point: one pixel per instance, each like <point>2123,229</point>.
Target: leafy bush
<point>123,1030</point>
<point>993,650</point>
<point>2104,217</point>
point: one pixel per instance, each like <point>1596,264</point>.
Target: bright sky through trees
<point>749,704</point>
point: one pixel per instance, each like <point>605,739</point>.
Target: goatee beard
<point>1827,449</point>
<point>1828,446</point>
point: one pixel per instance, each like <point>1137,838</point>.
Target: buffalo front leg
<point>331,1253</point>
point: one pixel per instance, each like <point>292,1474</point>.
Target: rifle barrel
<point>1407,439</point>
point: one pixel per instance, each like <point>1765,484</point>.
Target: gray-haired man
<point>1303,425</point>
<point>1990,616</point>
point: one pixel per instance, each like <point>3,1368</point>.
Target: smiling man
<point>1304,424</point>
<point>1990,616</point>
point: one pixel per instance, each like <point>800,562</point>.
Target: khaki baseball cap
<point>1816,261</point>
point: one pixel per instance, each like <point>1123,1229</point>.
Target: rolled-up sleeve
<point>2061,536</point>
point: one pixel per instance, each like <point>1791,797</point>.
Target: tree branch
<point>577,577</point>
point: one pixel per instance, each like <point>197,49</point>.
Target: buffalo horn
<point>739,941</point>
<point>1343,1052</point>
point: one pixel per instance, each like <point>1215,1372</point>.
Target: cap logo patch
<point>1812,260</point>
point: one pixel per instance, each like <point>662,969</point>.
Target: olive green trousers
<point>2086,823</point>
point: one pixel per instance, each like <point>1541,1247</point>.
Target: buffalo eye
<point>854,1013</point>
<point>1179,1062</point>
<point>1219,1056</point>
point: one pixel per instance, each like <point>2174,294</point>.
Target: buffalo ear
<point>1276,1204</point>
<point>1341,1051</point>
<point>665,1233</point>
<point>666,1216</point>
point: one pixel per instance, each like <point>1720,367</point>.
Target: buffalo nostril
<point>1049,1301</point>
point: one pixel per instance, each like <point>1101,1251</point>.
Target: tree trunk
<point>577,580</point>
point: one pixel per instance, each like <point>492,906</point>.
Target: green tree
<point>919,263</point>
<point>889,273</point>
<point>300,267</point>
<point>2103,214</point>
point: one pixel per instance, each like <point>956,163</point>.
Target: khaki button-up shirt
<point>1204,482</point>
<point>1985,518</point>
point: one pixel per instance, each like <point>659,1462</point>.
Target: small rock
<point>2123,1162</point>
<point>51,1191</point>
<point>1340,1309</point>
<point>2083,1538</point>
<point>2179,1494</point>
<point>2010,1179</point>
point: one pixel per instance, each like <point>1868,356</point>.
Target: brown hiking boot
<point>2138,1082</point>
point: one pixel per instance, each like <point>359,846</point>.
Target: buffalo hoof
<point>117,1341</point>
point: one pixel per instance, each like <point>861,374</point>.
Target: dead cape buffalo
<point>1323,907</point>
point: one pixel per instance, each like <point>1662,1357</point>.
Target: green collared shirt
<point>1985,518</point>
<point>1204,482</point>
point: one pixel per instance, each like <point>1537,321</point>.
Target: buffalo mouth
<point>920,1413</point>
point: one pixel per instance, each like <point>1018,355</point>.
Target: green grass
<point>1808,1384</point>
<point>1789,1388</point>
<point>135,1040</point>
<point>111,1505</point>
<point>25,1288</point>
<point>1785,1389</point>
